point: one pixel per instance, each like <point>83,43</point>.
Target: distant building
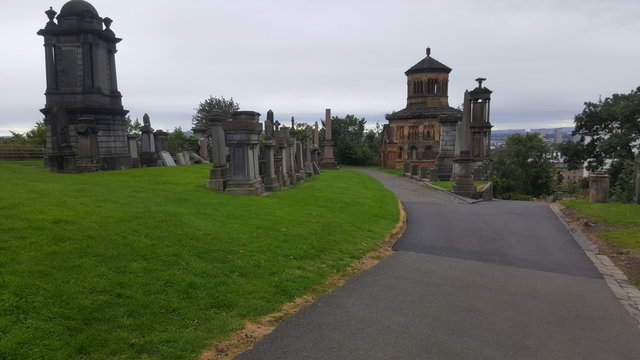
<point>423,134</point>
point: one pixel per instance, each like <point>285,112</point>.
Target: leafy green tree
<point>609,133</point>
<point>37,135</point>
<point>303,129</point>
<point>133,127</point>
<point>208,106</point>
<point>354,146</point>
<point>523,166</point>
<point>179,141</point>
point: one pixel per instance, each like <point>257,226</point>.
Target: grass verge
<point>148,263</point>
<point>616,229</point>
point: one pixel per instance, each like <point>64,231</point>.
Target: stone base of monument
<point>300,177</point>
<point>464,187</point>
<point>253,188</point>
<point>148,159</point>
<point>219,176</point>
<point>271,183</point>
<point>329,166</point>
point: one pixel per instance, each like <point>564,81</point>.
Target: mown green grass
<point>149,264</point>
<point>391,171</point>
<point>621,222</point>
<point>448,185</point>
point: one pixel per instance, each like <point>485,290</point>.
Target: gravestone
<point>463,160</point>
<point>148,155</point>
<point>242,135</point>
<point>328,162</point>
<point>197,159</point>
<point>166,158</point>
<point>133,150</point>
<point>599,187</point>
<point>161,140</point>
<point>271,181</point>
<point>219,174</point>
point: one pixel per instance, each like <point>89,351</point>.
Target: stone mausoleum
<point>84,118</point>
<point>423,134</point>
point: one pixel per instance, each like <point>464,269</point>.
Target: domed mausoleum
<point>423,134</point>
<point>84,118</point>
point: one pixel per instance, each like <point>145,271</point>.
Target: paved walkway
<point>491,280</point>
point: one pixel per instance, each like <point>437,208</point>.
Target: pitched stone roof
<point>422,111</point>
<point>428,64</point>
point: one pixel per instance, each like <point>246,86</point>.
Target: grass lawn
<point>621,222</point>
<point>391,171</point>
<point>448,185</point>
<point>616,223</point>
<point>149,264</point>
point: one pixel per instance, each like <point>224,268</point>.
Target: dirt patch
<point>253,331</point>
<point>626,260</point>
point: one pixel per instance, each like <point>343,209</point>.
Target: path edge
<point>253,331</point>
<point>627,294</point>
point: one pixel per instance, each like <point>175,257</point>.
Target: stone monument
<point>599,187</point>
<point>463,161</point>
<point>242,135</point>
<point>84,119</point>
<point>270,179</point>
<point>148,155</point>
<point>328,162</point>
<point>219,174</point>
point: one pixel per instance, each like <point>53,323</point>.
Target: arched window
<point>399,153</point>
<point>413,153</point>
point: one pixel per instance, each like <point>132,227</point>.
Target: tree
<point>37,135</point>
<point>179,141</point>
<point>354,146</point>
<point>133,127</point>
<point>210,105</point>
<point>523,166</point>
<point>609,133</point>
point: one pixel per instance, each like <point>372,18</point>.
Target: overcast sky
<point>542,59</point>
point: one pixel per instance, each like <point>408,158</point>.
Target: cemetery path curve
<point>490,280</point>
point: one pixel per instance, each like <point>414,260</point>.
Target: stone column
<point>328,162</point>
<point>599,187</point>
<point>242,135</point>
<point>308,165</point>
<point>271,181</point>
<point>219,174</point>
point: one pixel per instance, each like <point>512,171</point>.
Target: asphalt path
<point>490,280</point>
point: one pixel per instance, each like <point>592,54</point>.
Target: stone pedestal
<point>447,146</point>
<point>464,182</point>
<point>242,137</point>
<point>271,181</point>
<point>308,164</point>
<point>599,187</point>
<point>133,150</point>
<point>219,174</point>
<point>328,161</point>
<point>161,140</point>
<point>299,163</point>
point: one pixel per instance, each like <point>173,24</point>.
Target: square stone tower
<point>84,118</point>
